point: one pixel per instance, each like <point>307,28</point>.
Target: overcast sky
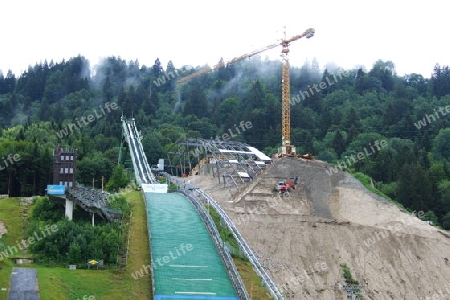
<point>412,34</point>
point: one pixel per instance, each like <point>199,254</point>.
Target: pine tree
<point>196,104</point>
<point>339,143</point>
<point>352,119</point>
<point>118,179</point>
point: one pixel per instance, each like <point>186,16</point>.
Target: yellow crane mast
<point>286,147</point>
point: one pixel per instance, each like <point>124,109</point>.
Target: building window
<point>71,157</point>
<point>66,170</point>
<point>62,157</point>
<point>67,157</point>
<point>71,170</point>
<point>70,184</point>
<point>62,170</point>
<point>60,183</point>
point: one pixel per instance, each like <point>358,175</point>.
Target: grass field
<point>10,213</point>
<point>252,281</point>
<point>57,283</point>
<point>62,283</point>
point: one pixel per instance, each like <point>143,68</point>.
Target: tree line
<point>332,123</point>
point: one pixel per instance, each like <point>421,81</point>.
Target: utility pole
<point>9,184</point>
<point>93,183</point>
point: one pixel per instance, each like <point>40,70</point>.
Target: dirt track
<point>301,240</point>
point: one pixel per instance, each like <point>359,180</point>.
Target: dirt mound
<point>328,220</point>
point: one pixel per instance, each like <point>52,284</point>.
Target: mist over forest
<point>335,113</point>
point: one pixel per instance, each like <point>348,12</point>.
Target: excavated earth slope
<point>329,220</point>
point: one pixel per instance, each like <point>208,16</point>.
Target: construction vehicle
<point>284,187</point>
<point>286,148</point>
<point>307,156</point>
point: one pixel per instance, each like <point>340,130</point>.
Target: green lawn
<point>12,211</point>
<point>62,283</point>
<point>252,282</point>
<point>10,214</point>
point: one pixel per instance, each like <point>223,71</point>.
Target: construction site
<point>299,238</point>
<point>308,229</point>
<point>309,232</point>
<point>306,226</point>
<point>302,239</point>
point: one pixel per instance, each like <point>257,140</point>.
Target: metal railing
<point>223,251</point>
<point>145,175</point>
<point>245,248</point>
<point>268,283</point>
<point>249,186</point>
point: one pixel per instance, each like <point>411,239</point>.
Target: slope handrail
<point>224,253</point>
<point>267,281</point>
<point>244,247</point>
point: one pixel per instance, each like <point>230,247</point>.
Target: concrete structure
<point>67,192</point>
<point>24,284</point>
<point>69,209</point>
<point>64,166</point>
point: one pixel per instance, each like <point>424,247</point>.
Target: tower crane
<point>286,148</point>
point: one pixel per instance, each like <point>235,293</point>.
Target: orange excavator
<point>284,186</point>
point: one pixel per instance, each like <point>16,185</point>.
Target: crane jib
<point>286,148</point>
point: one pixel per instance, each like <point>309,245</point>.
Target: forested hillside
<point>335,114</point>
